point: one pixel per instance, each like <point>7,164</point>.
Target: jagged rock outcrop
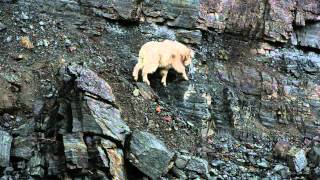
<point>94,127</point>
<point>105,122</point>
<point>85,136</point>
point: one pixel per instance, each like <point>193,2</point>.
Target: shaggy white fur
<point>165,55</point>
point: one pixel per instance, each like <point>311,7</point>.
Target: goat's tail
<point>137,68</point>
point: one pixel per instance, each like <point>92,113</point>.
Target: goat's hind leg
<point>164,74</point>
<point>148,69</point>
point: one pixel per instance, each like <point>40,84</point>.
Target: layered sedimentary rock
<point>255,73</point>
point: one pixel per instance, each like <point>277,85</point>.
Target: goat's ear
<point>183,57</point>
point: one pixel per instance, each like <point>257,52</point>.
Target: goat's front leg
<point>180,68</point>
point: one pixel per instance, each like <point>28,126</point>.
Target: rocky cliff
<point>70,109</point>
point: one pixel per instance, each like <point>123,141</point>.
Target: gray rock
<point>282,170</point>
<point>21,164</point>
<point>296,159</point>
<point>229,22</point>
<point>198,165</point>
<point>54,165</point>
<point>37,108</point>
<point>217,163</point>
<point>36,166</point>
<point>22,147</point>
<point>6,177</point>
<point>149,154</point>
<point>214,172</point>
<point>75,151</point>
<point>160,11</point>
<point>189,37</point>
<point>179,173</point>
<point>5,146</point>
<point>126,9</point>
<point>8,39</point>
<point>24,129</point>
<point>8,170</point>
<point>314,155</point>
<point>100,175</point>
<point>100,157</point>
<point>181,161</point>
<point>76,116</point>
<point>233,108</point>
<point>24,16</point>
<point>103,119</point>
<point>309,36</point>
<point>277,28</point>
<point>263,163</point>
<point>194,175</point>
<point>2,26</point>
<point>316,172</point>
<point>94,110</point>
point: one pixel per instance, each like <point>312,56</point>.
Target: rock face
<point>255,76</point>
<point>309,36</point>
<point>149,154</point>
<point>5,145</point>
<point>127,10</point>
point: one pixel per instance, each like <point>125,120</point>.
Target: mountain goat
<point>165,55</point>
